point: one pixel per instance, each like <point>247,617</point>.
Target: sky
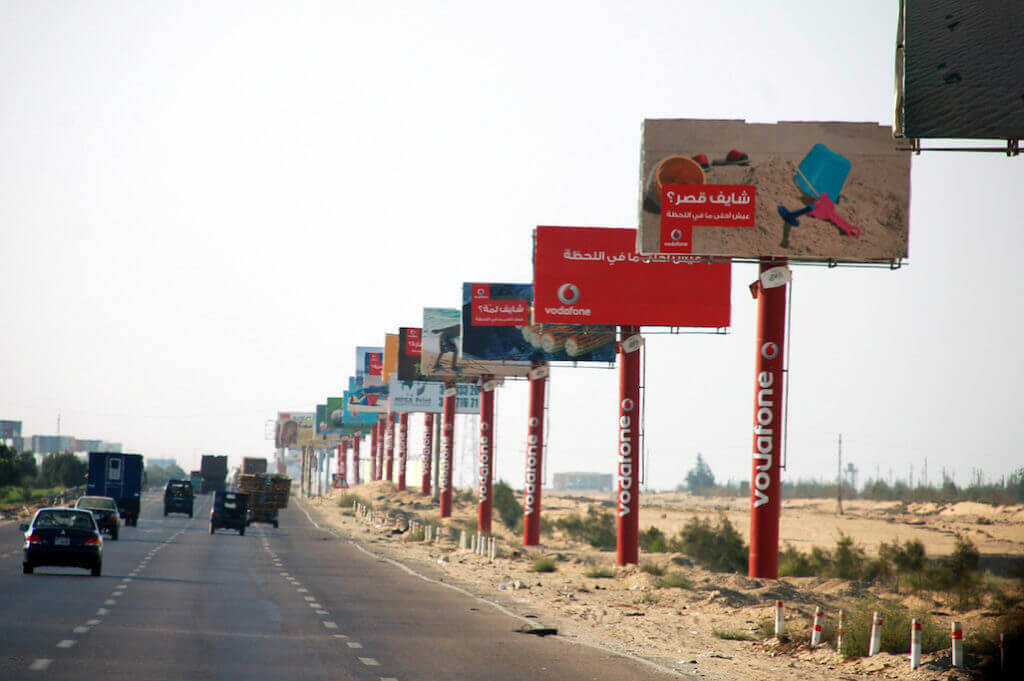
<point>205,207</point>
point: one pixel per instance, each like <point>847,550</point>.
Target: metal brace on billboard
<point>450,392</point>
<point>632,344</point>
<point>539,372</point>
<point>488,386</point>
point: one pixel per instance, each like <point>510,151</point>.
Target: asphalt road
<point>298,602</point>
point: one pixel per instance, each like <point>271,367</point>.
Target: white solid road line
<point>40,665</point>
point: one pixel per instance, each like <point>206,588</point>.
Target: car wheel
<point>241,531</point>
<point>27,568</point>
<point>97,569</point>
<point>190,514</point>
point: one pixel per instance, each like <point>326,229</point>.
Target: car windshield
<point>63,519</point>
<point>97,503</point>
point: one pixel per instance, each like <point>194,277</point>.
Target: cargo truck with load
<point>267,494</point>
<point>253,465</point>
<point>118,476</point>
<point>214,470</point>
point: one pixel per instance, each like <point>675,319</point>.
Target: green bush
<point>598,572</point>
<point>673,580</point>
<point>895,629</point>
<point>719,547</point>
<point>543,565</point>
<point>794,563</point>
<point>653,569</point>
<point>653,540</point>
<point>731,635</point>
<point>597,528</point>
<point>508,507</point>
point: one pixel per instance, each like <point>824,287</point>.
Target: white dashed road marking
<point>102,611</point>
<point>80,630</point>
<point>110,601</point>
<point>66,643</point>
<point>369,661</point>
<point>40,665</point>
<point>355,644</point>
<point>93,623</point>
<point>330,625</point>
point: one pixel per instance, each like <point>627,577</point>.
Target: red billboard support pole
<point>447,446</point>
<point>534,456</point>
<point>403,448</point>
<point>374,433</point>
<point>428,452</point>
<point>628,454</point>
<point>769,391</point>
<point>389,446</point>
<point>381,423</point>
<point>342,449</point>
<point>485,461</point>
<point>355,457</point>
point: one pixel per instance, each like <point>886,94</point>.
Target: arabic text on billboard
<point>804,191</point>
<point>443,357</point>
<point>496,325</point>
<point>592,274</point>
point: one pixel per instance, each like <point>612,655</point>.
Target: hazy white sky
<point>204,208</point>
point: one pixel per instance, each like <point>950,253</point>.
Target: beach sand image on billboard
<point>792,166</point>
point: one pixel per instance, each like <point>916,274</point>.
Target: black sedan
<point>65,537</point>
<point>104,510</point>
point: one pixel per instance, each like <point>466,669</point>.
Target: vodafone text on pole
<point>769,381</point>
<point>628,522</point>
<point>534,458</point>
<point>428,451</point>
<point>403,449</point>
<point>447,445</point>
<point>374,433</point>
<point>486,491</point>
<point>389,446</point>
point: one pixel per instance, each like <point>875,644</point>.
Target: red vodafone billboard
<point>593,275</point>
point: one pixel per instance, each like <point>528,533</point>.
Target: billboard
<point>496,325</point>
<point>368,399</point>
<point>803,191</point>
<point>352,420</point>
<point>959,69</point>
<point>369,366</point>
<point>410,348</point>
<point>428,397</point>
<point>390,357</point>
<point>294,429</point>
<point>592,274</point>
<point>443,357</point>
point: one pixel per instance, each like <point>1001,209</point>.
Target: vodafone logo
<point>534,421</point>
<point>484,426</point>
<point>568,293</point>
<point>769,350</point>
<point>676,234</point>
<point>627,404</point>
<point>480,292</point>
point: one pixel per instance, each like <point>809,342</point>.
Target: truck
<point>214,470</point>
<point>118,476</point>
<point>252,465</point>
<point>266,494</point>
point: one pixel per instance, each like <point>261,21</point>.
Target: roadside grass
<point>600,572</point>
<point>673,580</point>
<point>545,564</point>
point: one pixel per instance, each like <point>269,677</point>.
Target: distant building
<point>582,482</point>
<point>87,445</point>
<point>52,444</point>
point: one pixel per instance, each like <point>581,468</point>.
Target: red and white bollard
<point>839,634</point>
<point>816,627</point>
<point>1002,652</point>
<point>875,644</point>
<point>957,636</point>
<point>780,623</point>
<point>915,643</point>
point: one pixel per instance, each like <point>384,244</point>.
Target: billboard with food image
<point>496,324</point>
<point>443,357</point>
<point>803,191</point>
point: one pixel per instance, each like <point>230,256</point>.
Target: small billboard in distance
<point>390,356</point>
<point>369,366</point>
<point>443,357</point>
<point>804,191</point>
<point>593,275</point>
<point>960,69</point>
<point>496,325</point>
<point>410,350</point>
<point>428,397</point>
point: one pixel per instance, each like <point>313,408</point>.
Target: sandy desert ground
<point>682,628</point>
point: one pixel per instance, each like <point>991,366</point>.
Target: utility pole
<point>839,476</point>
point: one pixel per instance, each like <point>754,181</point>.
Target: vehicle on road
<point>267,494</point>
<point>64,537</point>
<point>230,510</point>
<point>214,471</point>
<point>178,497</point>
<point>104,511</point>
<point>118,476</point>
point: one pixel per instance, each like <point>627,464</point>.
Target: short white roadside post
<point>780,624</point>
<point>816,627</point>
<point>462,540</point>
<point>839,634</point>
<point>915,643</point>
<point>957,636</point>
<point>875,644</point>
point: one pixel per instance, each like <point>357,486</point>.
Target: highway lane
<point>294,603</point>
